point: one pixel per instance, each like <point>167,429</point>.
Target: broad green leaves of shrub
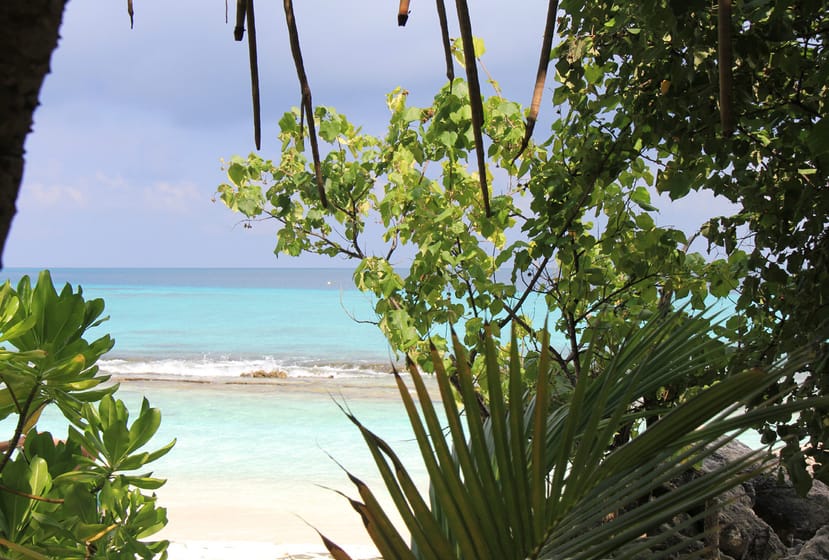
<point>79,497</point>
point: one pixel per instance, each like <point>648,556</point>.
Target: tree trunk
<point>28,36</point>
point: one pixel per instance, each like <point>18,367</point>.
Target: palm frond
<point>538,479</point>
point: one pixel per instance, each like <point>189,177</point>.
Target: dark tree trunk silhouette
<point>28,36</point>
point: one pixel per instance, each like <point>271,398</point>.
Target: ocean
<point>228,322</point>
<point>186,338</point>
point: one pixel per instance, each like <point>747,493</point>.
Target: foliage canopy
<point>638,106</point>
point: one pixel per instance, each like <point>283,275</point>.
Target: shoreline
<point>359,387</point>
<point>219,507</point>
<point>253,471</point>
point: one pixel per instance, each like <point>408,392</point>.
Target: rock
<point>262,374</point>
<point>743,533</point>
<point>728,453</point>
<point>817,548</point>
<point>792,517</point>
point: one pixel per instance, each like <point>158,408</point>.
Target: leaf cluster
<point>654,72</point>
<point>78,497</point>
<point>468,268</point>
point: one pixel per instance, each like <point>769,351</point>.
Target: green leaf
<point>593,73</point>
<point>412,114</point>
<point>237,173</point>
<point>817,138</point>
<point>642,198</point>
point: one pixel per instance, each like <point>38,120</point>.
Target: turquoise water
<point>224,322</point>
<point>262,435</point>
<point>173,327</point>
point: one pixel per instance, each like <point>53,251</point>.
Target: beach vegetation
<point>459,216</point>
<point>86,494</point>
<point>545,477</point>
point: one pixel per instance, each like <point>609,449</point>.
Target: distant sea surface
<point>227,322</point>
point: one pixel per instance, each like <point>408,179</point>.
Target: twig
<point>533,281</point>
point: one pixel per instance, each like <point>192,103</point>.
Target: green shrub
<point>78,497</point>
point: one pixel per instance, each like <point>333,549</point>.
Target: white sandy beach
<point>251,550</point>
<point>269,517</point>
<point>226,523</point>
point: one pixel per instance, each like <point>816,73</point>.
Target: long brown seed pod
<point>447,46</point>
<point>475,103</point>
<point>307,106</point>
<point>254,76</point>
<point>239,30</point>
<point>540,77</point>
<point>403,13</point>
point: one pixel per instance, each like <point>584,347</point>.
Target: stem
<point>21,423</point>
<point>31,496</point>
<point>574,343</point>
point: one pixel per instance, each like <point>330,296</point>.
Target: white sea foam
<point>226,367</point>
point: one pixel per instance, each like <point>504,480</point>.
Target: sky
<point>125,155</point>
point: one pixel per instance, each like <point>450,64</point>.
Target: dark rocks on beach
<point>817,548</point>
<point>794,518</point>
<point>263,374</point>
<point>765,519</point>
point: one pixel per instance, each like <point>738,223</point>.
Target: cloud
<point>40,195</point>
<point>177,198</point>
<point>113,193</point>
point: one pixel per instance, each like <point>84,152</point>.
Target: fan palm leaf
<point>539,479</point>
